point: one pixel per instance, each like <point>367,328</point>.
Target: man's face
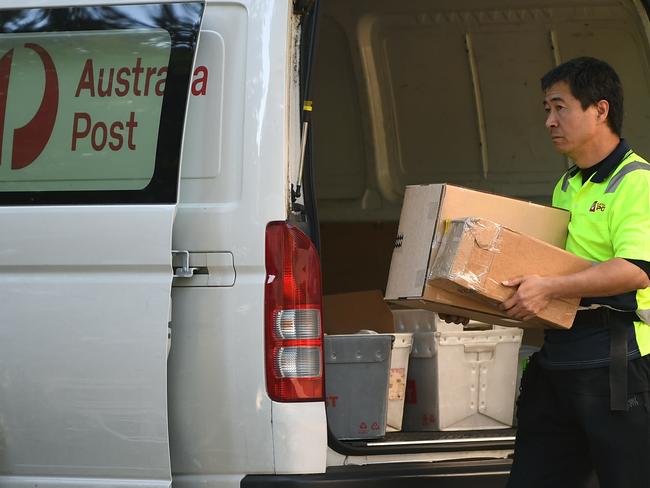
<point>571,128</point>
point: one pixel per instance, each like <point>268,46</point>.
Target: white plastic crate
<point>462,380</point>
<point>399,362</point>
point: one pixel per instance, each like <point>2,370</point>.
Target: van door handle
<point>181,264</point>
<point>203,268</point>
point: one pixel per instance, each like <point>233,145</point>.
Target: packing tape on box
<point>447,251</point>
<point>459,245</point>
<point>487,234</point>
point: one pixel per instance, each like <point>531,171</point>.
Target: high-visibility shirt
<point>610,218</point>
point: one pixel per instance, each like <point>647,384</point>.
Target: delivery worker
<point>584,405</point>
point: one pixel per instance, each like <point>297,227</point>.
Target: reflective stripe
<point>628,168</point>
<point>644,315</point>
<point>565,181</point>
<point>596,306</point>
<point>569,174</point>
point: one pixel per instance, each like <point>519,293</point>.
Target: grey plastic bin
<point>357,372</point>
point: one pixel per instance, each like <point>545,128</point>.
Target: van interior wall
<point>356,255</point>
<point>419,91</point>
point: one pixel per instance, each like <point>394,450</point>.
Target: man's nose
<point>551,120</point>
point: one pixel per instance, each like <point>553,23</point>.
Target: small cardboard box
<point>425,210</point>
<point>348,313</point>
<point>477,255</point>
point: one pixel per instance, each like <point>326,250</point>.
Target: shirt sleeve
<point>629,219</point>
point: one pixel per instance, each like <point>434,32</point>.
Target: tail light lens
<point>293,316</point>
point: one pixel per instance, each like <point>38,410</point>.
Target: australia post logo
<point>597,207</point>
<point>105,103</point>
<point>30,139</point>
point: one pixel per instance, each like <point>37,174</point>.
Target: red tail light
<point>293,316</point>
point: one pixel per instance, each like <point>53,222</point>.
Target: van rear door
<point>92,108</point>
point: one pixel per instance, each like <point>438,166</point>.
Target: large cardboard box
<point>425,210</point>
<point>477,255</point>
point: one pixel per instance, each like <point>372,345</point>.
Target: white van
<point>169,200</point>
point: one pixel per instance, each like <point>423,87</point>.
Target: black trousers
<point>566,434</point>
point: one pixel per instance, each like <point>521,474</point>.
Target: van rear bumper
<point>465,474</point>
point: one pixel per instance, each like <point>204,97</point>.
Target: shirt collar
<point>605,168</point>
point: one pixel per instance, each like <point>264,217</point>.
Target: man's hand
<point>456,319</point>
<point>600,280</point>
<point>533,294</point>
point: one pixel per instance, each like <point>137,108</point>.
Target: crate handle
<point>469,348</point>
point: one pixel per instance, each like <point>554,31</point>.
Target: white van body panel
<point>299,437</point>
<point>211,481</point>
<point>234,181</point>
<point>220,417</point>
<point>85,276</point>
<point>106,422</point>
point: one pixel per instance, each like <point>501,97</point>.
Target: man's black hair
<point>590,81</point>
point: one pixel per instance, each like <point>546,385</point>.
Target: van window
<point>92,102</point>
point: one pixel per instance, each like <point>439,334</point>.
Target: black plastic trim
<point>486,473</point>
<point>356,448</point>
<point>308,219</point>
<point>350,450</point>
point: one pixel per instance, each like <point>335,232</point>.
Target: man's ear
<point>602,110</point>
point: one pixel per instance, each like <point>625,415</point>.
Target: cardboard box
<point>477,255</point>
<point>348,313</point>
<point>425,210</point>
<point>440,300</point>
